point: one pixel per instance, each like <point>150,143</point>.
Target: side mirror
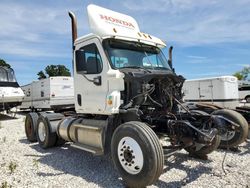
<point>97,80</point>
<point>80,61</point>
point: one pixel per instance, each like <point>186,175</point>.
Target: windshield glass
<point>7,75</point>
<point>134,55</point>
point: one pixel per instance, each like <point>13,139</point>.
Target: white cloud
<point>34,30</point>
<point>196,57</point>
<point>193,22</point>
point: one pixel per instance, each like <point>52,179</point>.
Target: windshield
<point>135,55</point>
<point>7,75</point>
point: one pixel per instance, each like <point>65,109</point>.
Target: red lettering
<point>115,20</point>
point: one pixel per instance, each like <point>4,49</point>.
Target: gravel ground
<point>23,164</point>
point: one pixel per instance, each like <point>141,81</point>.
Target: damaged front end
<point>152,94</point>
<point>155,99</point>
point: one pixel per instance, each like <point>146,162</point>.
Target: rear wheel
<point>232,138</point>
<point>45,137</point>
<point>137,154</point>
<point>30,126</point>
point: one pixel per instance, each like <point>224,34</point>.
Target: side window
<point>88,60</point>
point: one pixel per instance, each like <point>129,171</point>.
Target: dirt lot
<point>23,164</point>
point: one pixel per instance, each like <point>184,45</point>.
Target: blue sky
<point>210,38</point>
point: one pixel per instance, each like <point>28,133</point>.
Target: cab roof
<point>105,23</point>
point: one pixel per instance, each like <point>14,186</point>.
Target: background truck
<point>54,93</point>
<point>127,102</point>
<point>244,91</point>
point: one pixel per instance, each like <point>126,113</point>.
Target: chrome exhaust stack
<point>74,27</point>
<point>170,57</point>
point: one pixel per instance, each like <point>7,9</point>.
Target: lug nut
<point>132,162</point>
<point>129,164</point>
<point>121,154</point>
<point>126,163</point>
<point>122,159</point>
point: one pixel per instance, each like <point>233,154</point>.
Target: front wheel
<point>137,154</point>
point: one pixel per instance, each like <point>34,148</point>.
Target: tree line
<point>50,70</point>
<point>61,70</point>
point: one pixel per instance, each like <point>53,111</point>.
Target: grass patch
<point>12,167</point>
<point>5,185</point>
<point>35,163</point>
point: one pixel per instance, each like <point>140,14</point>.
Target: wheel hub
<point>130,155</point>
<point>41,131</point>
<point>228,135</point>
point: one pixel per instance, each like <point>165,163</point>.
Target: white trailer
<point>221,91</point>
<point>51,93</point>
<point>10,93</point>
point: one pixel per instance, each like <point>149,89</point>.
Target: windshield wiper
<point>136,67</point>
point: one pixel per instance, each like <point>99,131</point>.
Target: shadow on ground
<point>5,117</point>
<point>100,170</point>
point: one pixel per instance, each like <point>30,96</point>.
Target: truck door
<point>206,91</point>
<point>90,77</point>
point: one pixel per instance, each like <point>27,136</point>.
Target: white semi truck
<point>127,102</point>
<point>53,93</point>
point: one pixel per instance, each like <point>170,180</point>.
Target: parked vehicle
<point>219,96</point>
<point>244,90</point>
<point>221,91</point>
<point>10,93</point>
<point>54,93</point>
<point>127,102</point>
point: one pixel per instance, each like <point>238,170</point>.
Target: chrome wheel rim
<point>227,135</point>
<point>130,155</point>
<point>41,131</point>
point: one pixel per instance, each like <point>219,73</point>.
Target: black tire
<point>240,135</point>
<point>151,150</point>
<point>205,149</point>
<point>30,126</point>
<point>49,139</point>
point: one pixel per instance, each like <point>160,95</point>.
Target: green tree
<point>4,64</point>
<point>54,70</point>
<point>41,75</point>
<point>244,74</point>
